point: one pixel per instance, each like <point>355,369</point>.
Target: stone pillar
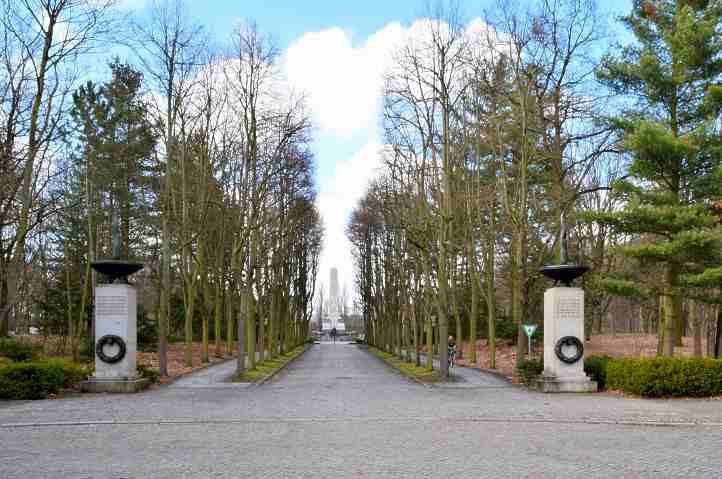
<point>115,341</point>
<point>564,342</point>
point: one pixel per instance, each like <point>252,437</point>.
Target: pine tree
<point>670,78</point>
<point>116,143</point>
<point>111,141</point>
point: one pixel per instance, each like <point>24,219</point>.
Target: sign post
<point>529,331</point>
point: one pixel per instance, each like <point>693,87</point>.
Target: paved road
<point>215,376</point>
<point>467,377</point>
<point>339,412</point>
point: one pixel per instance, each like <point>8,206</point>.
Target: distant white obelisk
<point>334,316</point>
<point>333,288</point>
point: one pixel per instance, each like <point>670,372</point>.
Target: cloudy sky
<point>337,52</point>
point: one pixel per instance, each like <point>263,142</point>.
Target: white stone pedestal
<point>563,316</point>
<point>115,314</point>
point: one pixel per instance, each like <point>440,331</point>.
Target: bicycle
<point>452,356</point>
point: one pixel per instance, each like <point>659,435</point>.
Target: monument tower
<point>333,289</point>
<point>334,307</point>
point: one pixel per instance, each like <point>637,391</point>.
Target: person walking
<point>452,351</point>
<point>333,335</point>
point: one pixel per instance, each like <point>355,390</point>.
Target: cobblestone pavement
<point>339,412</point>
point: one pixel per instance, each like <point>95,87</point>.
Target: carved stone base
<point>547,384</point>
<point>114,385</point>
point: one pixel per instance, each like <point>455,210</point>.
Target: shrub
<point>147,330</point>
<point>36,380</point>
<point>86,350</point>
<point>664,377</point>
<point>507,330</point>
<point>74,373</point>
<point>596,369</point>
<point>150,373</point>
<point>19,351</point>
<point>528,369</point>
<point>148,347</point>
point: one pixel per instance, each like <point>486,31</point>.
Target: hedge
<point>149,373</point>
<point>36,380</point>
<point>594,366</point>
<point>528,369</point>
<point>665,377</point>
<point>648,377</point>
<point>19,351</point>
<point>596,369</point>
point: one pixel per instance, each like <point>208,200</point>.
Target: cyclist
<point>452,352</point>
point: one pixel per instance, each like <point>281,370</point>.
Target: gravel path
<point>339,412</point>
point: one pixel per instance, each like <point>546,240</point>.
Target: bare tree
<point>169,45</point>
<point>41,42</point>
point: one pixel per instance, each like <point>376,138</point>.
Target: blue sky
<point>286,20</point>
<point>336,51</point>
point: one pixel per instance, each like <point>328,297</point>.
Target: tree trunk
<point>241,342</point>
<point>667,319</point>
<point>272,328</point>
<point>417,335</point>
<point>491,292</point>
<point>400,336</point>
<point>204,339</point>
<point>188,325</point>
<point>474,315</point>
<point>261,333</point>
<point>283,305</point>
<point>718,335</point>
<point>217,320</point>
<point>459,330</point>
<point>251,328</point>
<point>229,322</point>
<point>517,295</point>
<point>679,320</point>
<point>72,324</point>
<point>429,344</point>
<point>165,290</point>
<point>697,328</point>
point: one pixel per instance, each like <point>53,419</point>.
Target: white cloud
<point>343,82</point>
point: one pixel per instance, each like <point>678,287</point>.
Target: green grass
<point>411,370</point>
<point>268,367</point>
